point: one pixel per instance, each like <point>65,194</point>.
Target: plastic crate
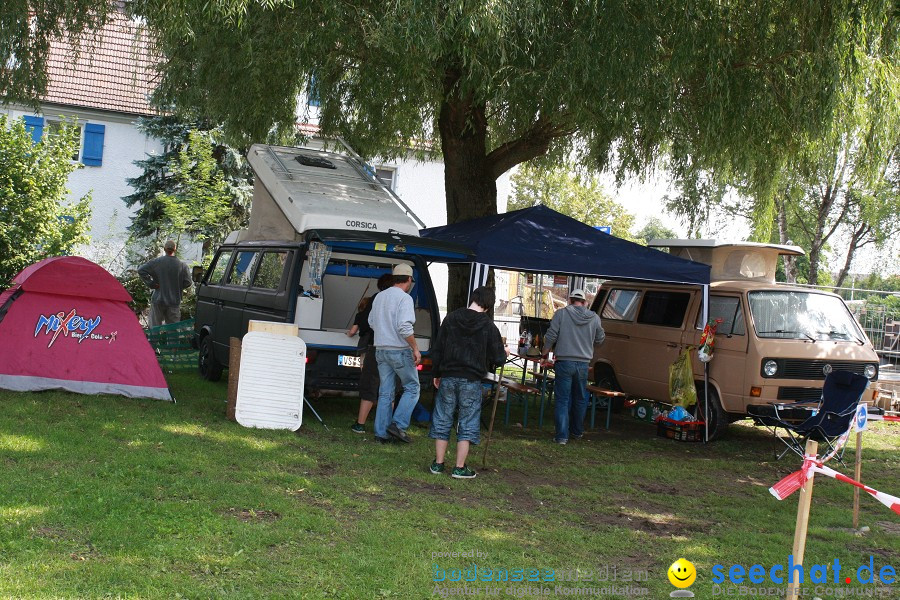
<point>682,431</point>
<point>172,344</point>
<point>646,410</point>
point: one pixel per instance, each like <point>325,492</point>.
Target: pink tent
<point>65,324</point>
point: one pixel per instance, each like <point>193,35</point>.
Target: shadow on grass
<point>133,491</point>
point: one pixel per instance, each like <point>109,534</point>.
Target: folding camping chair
<point>831,417</point>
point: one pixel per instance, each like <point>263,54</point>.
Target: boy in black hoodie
<point>468,346</point>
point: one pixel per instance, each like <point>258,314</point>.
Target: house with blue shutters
<point>106,88</point>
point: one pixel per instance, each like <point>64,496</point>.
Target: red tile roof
<point>112,70</point>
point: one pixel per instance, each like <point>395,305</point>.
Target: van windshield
<point>802,315</point>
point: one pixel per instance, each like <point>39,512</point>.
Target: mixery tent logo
<point>71,325</point>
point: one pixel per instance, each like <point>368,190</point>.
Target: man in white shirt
<point>393,318</point>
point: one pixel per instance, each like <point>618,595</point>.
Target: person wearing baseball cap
<point>393,319</point>
<point>574,332</point>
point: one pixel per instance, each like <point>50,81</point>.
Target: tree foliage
<point>199,186</point>
<point>579,196</point>
<point>708,83</point>
<point>730,85</point>
<point>35,220</point>
<point>837,190</point>
<point>203,205</point>
<point>26,29</point>
<point>654,230</point>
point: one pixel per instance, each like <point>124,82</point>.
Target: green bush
<point>36,221</point>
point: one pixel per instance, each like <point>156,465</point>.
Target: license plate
<point>345,360</point>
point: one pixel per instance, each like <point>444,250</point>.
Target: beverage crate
<point>682,431</point>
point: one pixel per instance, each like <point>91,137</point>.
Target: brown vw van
<point>775,343</point>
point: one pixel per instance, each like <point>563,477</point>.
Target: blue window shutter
<point>313,92</point>
<point>92,156</point>
<point>36,126</point>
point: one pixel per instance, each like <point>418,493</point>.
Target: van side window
<point>727,308</point>
<point>598,300</point>
<point>271,268</point>
<point>217,269</point>
<point>663,308</point>
<point>621,305</point>
<point>242,268</point>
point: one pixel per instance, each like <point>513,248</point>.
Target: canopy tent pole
<point>478,276</point>
<point>705,369</point>
<point>576,282</point>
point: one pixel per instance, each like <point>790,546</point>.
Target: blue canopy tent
<point>541,240</point>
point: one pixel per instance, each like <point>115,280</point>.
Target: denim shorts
<point>459,394</point>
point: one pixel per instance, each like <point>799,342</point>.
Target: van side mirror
<point>197,273</point>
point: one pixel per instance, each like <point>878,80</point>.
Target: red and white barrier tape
<point>884,418</point>
<point>811,466</point>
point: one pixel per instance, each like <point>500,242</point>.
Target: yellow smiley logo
<point>682,573</point>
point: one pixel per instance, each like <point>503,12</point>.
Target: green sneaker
<point>436,468</point>
<point>463,472</point>
<point>358,428</point>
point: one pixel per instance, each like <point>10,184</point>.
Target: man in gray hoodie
<point>574,332</point>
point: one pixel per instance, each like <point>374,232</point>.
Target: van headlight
<point>870,371</point>
<point>770,368</point>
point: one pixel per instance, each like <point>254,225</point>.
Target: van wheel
<point>605,378</point>
<point>210,369</point>
<point>718,420</point>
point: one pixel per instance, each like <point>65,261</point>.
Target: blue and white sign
<point>607,229</point>
<point>862,417</point>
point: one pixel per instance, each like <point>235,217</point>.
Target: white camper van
<point>322,231</point>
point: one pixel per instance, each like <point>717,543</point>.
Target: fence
<point>172,344</point>
<point>882,325</point>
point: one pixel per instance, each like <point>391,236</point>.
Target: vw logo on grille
<point>827,369</point>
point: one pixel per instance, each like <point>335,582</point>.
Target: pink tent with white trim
<point>65,324</point>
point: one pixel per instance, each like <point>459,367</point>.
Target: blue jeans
<point>571,397</point>
<point>399,363</point>
<point>456,392</point>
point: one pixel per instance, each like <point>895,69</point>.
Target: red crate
<point>682,431</point>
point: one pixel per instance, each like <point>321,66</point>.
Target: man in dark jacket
<point>574,332</point>
<point>468,346</point>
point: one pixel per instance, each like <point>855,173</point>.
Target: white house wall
<point>122,145</point>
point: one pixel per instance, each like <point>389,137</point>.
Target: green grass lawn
<point>107,497</point>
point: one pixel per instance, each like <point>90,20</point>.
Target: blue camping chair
<point>829,419</point>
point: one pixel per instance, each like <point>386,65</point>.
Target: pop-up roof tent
<point>541,240</point>
<point>65,324</point>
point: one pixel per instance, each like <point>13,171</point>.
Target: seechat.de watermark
<point>833,573</point>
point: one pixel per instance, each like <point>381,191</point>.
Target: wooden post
<point>857,472</point>
<point>487,442</point>
<point>288,329</point>
<point>234,371</point>
<point>793,590</point>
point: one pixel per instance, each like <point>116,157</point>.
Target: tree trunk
<point>856,240</point>
<point>470,184</point>
<point>790,262</point>
<point>471,172</point>
<point>820,237</point>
